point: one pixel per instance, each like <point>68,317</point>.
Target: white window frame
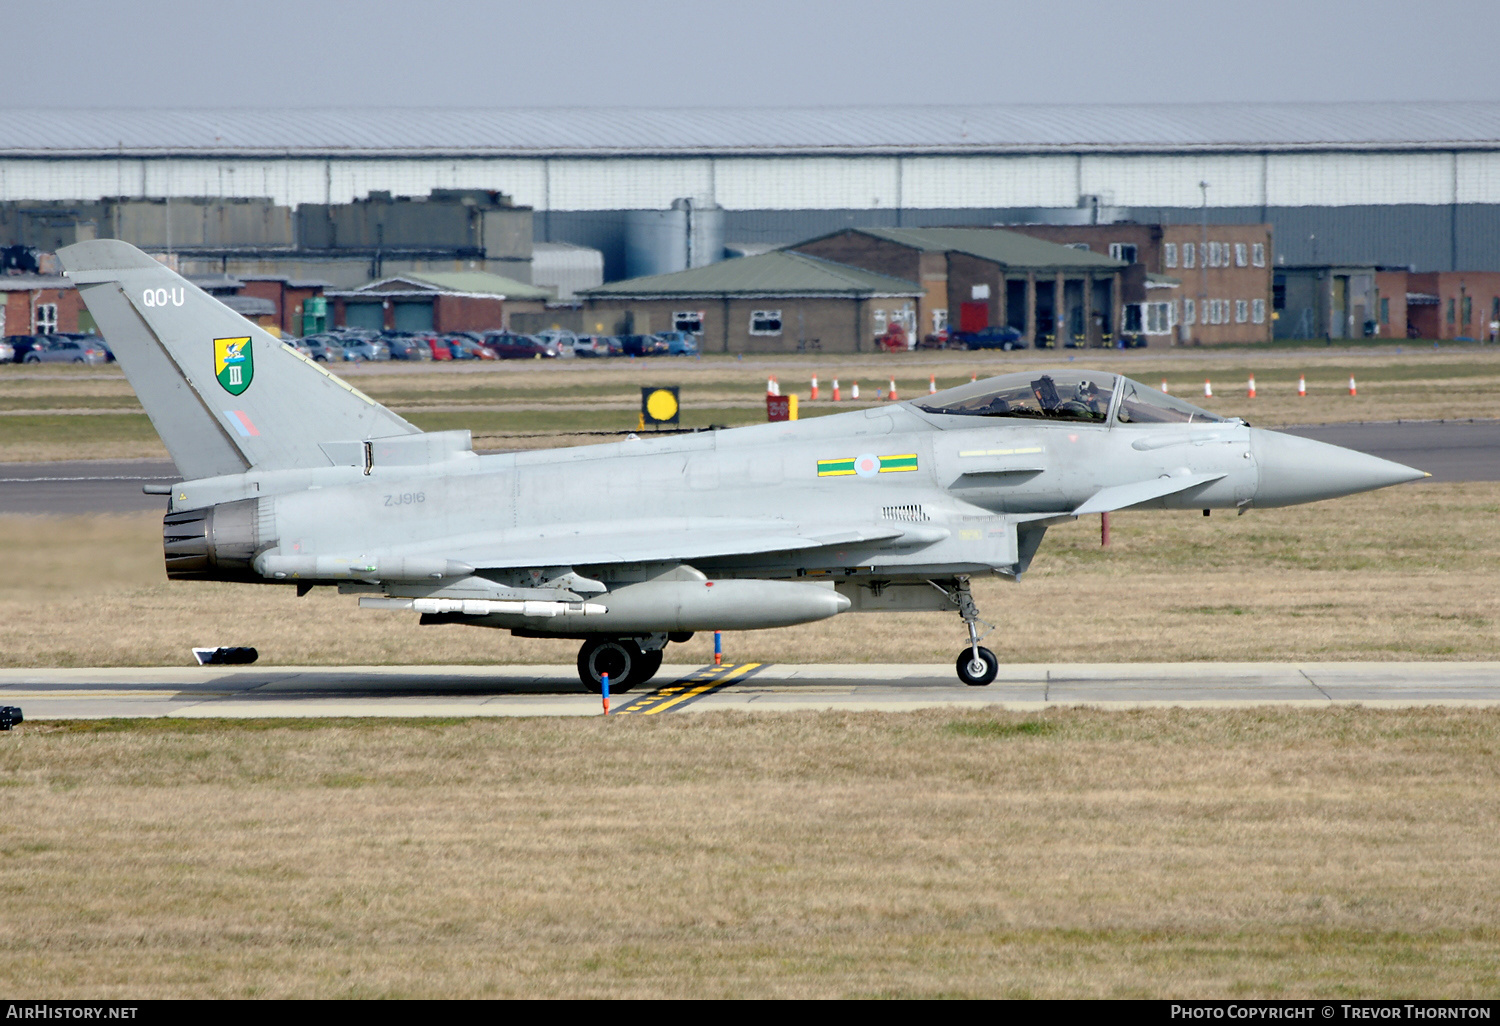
<point>1189,311</point>
<point>1241,256</point>
<point>681,318</point>
<point>44,319</point>
<point>764,317</point>
<point>1158,318</point>
<point>1077,245</point>
<point>878,321</point>
<point>939,320</point>
<point>1241,311</point>
<point>1189,256</point>
<point>1258,254</point>
<point>1117,251</point>
<point>1258,311</point>
<point>1169,254</point>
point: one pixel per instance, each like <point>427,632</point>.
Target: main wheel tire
<point>978,673</point>
<point>621,658</point>
<point>650,664</point>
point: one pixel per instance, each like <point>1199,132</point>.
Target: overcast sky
<point>465,53</point>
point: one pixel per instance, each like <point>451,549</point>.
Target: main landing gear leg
<point>977,666</point>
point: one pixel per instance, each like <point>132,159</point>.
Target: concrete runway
<point>406,691</point>
<point>1449,450</point>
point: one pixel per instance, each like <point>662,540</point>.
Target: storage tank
<point>688,234</point>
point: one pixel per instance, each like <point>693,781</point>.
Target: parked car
<point>509,346</point>
<point>21,345</point>
<point>356,348</point>
<point>323,348</point>
<point>643,345</point>
<point>991,338</point>
<point>406,345</point>
<point>299,345</point>
<point>594,346</point>
<point>62,349</point>
<point>7,352</point>
<point>560,339</point>
<point>679,343</point>
<point>467,345</point>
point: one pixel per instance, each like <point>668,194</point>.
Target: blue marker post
<point>718,649</point>
<point>604,679</point>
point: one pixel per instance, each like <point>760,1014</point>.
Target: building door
<point>1338,317</point>
<point>364,315</point>
<point>1015,305</point>
<point>973,316</point>
<point>414,316</point>
<point>1046,319</point>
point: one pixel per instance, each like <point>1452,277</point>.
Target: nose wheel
<point>977,665</point>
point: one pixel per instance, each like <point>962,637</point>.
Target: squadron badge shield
<point>234,364</point>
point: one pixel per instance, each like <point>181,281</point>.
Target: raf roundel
<point>867,465</point>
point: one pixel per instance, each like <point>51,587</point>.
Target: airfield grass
<point>1330,853</point>
<point>1399,574</point>
<point>49,412</point>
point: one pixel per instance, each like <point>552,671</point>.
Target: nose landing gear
<point>977,665</point>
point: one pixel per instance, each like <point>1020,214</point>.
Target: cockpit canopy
<point>1067,395</point>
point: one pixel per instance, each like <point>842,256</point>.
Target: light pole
<point>1203,266</point>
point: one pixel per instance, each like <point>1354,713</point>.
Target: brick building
<point>975,277</point>
<point>1441,304</point>
<point>436,301</point>
<point>778,302</point>
<point>35,304</point>
<point>1225,293</point>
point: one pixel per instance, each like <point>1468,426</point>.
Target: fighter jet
<point>292,476</point>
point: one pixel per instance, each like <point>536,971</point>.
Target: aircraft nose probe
<point>1295,470</point>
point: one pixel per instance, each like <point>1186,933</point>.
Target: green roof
<point>779,273</point>
<point>1009,249</point>
<point>479,282</point>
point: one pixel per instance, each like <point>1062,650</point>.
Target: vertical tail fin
<point>223,394</point>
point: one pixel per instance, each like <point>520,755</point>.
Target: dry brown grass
<point>1404,573</point>
<point>1266,853</point>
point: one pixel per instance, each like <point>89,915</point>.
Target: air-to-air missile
<point>292,476</point>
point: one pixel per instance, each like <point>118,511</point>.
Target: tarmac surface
<point>1449,450</point>
<point>410,691</point>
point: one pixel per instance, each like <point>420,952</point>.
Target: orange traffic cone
<point>973,375</point>
<point>1352,389</point>
<point>893,398</point>
<point>1208,389</point>
<point>772,388</point>
<point>931,384</point>
<point>836,396</point>
<point>1252,386</point>
<point>854,392</point>
<point>1302,385</point>
<point>814,396</point>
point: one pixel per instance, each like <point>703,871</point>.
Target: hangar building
<point>1377,184</point>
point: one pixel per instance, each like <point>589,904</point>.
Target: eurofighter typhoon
<point>291,476</point>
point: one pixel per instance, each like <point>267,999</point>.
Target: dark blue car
<point>991,338</point>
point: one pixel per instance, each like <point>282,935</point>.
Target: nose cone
<point>1294,470</point>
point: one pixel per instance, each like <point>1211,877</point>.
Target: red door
<point>973,316</point>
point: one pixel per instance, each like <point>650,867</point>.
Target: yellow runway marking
<point>694,686</point>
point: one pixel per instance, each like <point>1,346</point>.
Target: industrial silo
<point>689,234</point>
